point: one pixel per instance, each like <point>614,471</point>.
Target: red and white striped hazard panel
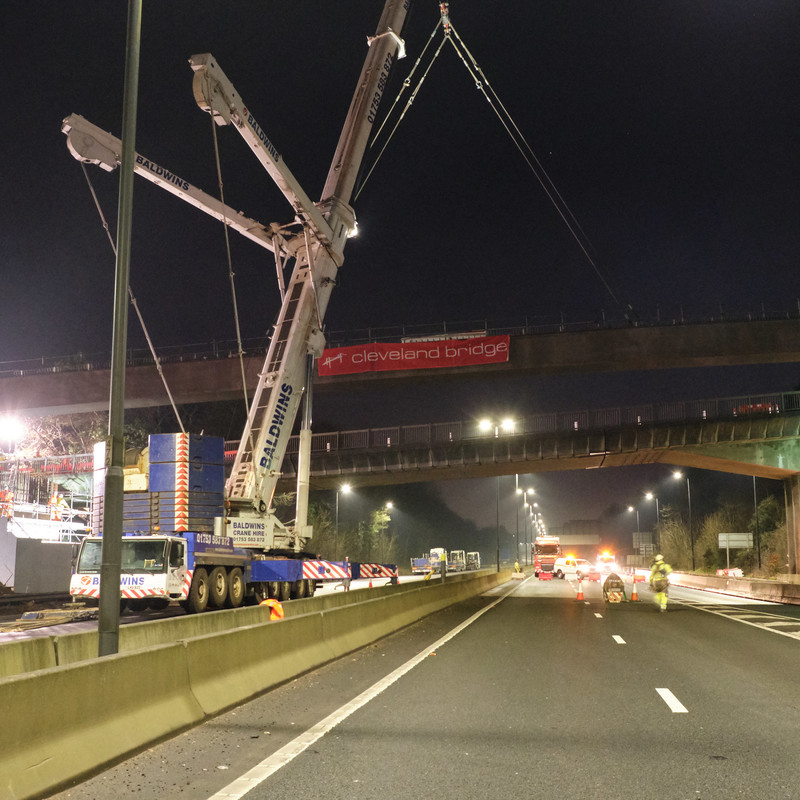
<point>324,570</point>
<point>378,571</point>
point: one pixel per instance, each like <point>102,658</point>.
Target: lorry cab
<point>152,569</point>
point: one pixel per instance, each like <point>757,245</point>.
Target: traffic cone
<point>580,590</point>
<point>634,596</point>
<point>370,583</point>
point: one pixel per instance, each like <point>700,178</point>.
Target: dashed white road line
<point>618,639</point>
<point>674,704</point>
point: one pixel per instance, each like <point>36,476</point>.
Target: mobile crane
<point>315,241</point>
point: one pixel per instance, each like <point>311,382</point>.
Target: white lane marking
<point>280,758</point>
<point>674,704</point>
<point>599,616</point>
<point>618,639</point>
<point>734,617</point>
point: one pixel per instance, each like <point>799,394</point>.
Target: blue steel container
<point>170,447</point>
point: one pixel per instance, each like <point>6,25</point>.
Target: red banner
<point>380,356</point>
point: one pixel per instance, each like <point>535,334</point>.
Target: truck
<point>546,549</point>
<point>607,563</point>
<point>473,560</point>
<point>457,561</point>
<point>244,530</point>
<point>421,566</point>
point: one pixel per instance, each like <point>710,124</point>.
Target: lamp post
<point>525,504</point>
<point>631,508</point>
<point>651,496</point>
<point>497,507</point>
<point>758,534</point>
<point>487,426</point>
<point>345,488</point>
<point>389,506</point>
<point>678,475</point>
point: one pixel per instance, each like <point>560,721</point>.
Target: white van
<point>580,568</point>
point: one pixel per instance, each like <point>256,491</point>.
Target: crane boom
<point>318,256</point>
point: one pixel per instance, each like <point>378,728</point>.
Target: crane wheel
<point>218,587</point>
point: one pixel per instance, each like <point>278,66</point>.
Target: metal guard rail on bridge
<point>215,350</point>
<point>750,406</point>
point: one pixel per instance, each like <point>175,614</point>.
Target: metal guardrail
<point>531,326</point>
<point>559,422</point>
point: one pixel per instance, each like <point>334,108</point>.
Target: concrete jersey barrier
<point>65,722</point>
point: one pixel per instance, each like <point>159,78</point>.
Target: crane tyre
<point>298,589</point>
<point>260,592</point>
<point>236,588</point>
<point>273,589</point>
<point>284,591</point>
<point>198,592</point>
<point>217,587</point>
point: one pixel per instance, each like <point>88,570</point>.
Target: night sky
<point>670,129</point>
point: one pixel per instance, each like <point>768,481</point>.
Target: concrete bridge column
<point>791,488</point>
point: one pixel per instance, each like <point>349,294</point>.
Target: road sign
<point>735,540</point>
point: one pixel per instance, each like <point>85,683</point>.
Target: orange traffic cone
<point>580,590</point>
<point>370,583</point>
<point>634,596</point>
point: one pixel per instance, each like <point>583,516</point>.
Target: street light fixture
<point>488,425</point>
<point>12,429</point>
<point>631,508</point>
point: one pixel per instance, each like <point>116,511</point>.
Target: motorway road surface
<point>525,692</point>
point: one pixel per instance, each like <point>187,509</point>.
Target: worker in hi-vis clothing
<point>659,580</point>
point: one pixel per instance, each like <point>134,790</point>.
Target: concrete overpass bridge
<point>206,373</point>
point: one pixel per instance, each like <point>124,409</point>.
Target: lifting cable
<point>135,305</point>
<point>231,276</point>
<point>482,84</point>
<point>521,143</point>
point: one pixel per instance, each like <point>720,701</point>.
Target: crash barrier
<point>27,655</point>
<point>66,722</point>
<point>774,591</point>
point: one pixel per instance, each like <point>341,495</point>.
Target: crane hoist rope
<point>450,34</point>
<point>134,303</point>
<point>530,157</point>
<point>231,274</point>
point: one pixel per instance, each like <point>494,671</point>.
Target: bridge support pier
<point>791,488</point>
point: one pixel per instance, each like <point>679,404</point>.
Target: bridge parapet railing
<point>755,406</point>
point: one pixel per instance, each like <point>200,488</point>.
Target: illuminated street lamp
<point>631,508</point>
<point>487,425</point>
<point>678,475</point>
<point>12,429</point>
